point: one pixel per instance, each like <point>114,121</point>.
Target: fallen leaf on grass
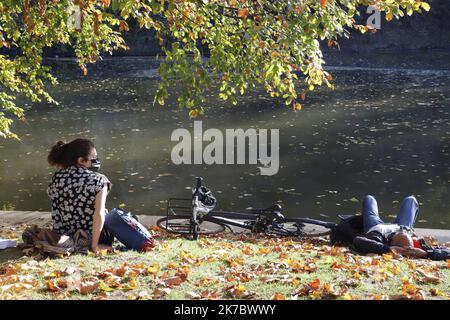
<point>388,256</point>
<point>347,296</point>
<point>410,292</point>
<point>105,287</point>
<point>204,282</point>
<point>56,285</point>
<point>379,297</point>
<point>337,266</point>
<point>142,295</point>
<point>15,287</point>
<point>298,267</point>
<point>113,281</point>
<point>68,271</point>
<point>188,258</point>
<point>153,270</point>
<point>239,291</point>
<point>350,283</point>
<point>85,286</point>
<point>172,265</point>
<point>131,285</point>
<point>211,295</point>
<point>234,262</point>
<point>309,288</point>
<point>329,290</point>
<point>247,250</point>
<point>428,278</point>
<point>62,295</point>
<point>173,281</point>
<point>435,292</point>
<point>161,292</point>
<point>193,295</point>
<point>278,296</point>
<point>204,295</point>
<point>263,251</point>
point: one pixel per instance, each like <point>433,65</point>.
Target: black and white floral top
<point>73,192</point>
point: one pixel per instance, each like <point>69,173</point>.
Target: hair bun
<point>60,144</point>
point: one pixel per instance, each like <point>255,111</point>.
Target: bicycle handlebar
<point>199,182</point>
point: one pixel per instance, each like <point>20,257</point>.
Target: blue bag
<point>128,230</point>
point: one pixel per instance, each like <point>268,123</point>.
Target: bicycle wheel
<point>296,228</point>
<point>182,225</point>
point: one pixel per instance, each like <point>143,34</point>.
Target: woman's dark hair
<point>67,154</point>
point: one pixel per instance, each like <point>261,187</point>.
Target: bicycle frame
<point>256,221</point>
<point>225,217</point>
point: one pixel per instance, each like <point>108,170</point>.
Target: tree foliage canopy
<point>273,43</point>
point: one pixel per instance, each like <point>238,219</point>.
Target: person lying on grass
<point>78,193</point>
<point>398,237</point>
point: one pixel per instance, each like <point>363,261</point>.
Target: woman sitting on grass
<point>78,193</point>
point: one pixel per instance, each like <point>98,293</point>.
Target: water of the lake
<point>384,133</point>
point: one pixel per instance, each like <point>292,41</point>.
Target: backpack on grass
<point>350,227</point>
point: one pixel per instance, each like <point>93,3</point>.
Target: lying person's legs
<point>370,213</point>
<point>408,212</point>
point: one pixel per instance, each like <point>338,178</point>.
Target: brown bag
<point>51,243</point>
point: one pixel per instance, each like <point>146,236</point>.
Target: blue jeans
<point>406,216</point>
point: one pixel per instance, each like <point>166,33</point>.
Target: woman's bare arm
<point>99,218</point>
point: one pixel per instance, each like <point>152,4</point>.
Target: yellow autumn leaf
<point>347,296</point>
<point>131,285</point>
<point>295,282</point>
<point>105,287</point>
<point>240,290</point>
<point>172,265</point>
<point>153,269</point>
<point>193,113</point>
<point>435,292</point>
<point>389,16</point>
<point>425,6</point>
<point>387,257</point>
<point>50,263</point>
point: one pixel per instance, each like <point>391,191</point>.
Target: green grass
<point>215,264</point>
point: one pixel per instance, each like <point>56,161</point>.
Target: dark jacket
<point>377,239</point>
<point>367,244</point>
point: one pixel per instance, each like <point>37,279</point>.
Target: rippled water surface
<point>383,133</point>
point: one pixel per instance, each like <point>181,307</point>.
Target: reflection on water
<point>380,133</point>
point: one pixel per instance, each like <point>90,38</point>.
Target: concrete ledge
<point>42,217</point>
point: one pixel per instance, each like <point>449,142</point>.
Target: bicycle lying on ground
<point>197,216</point>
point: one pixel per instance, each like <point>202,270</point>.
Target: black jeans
<point>106,237</point>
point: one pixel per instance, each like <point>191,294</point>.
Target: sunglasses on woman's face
<point>95,164</point>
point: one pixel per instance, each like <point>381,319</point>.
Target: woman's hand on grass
<point>99,249</point>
